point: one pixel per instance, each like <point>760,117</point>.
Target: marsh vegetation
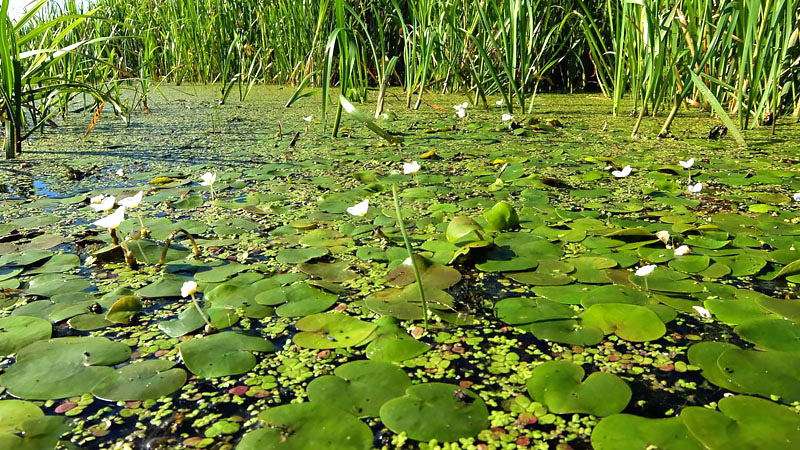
<point>380,224</point>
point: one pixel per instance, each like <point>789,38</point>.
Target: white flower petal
<point>208,179</point>
<point>112,220</point>
<point>663,236</point>
<point>133,201</point>
<point>702,312</point>
<point>188,288</point>
<point>645,270</point>
<point>687,164</point>
<point>683,250</point>
<point>359,209</point>
<point>506,117</point>
<point>412,167</point>
<point>622,173</point>
<point>105,204</point>
<point>695,188</point>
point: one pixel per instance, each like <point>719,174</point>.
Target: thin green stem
<point>202,314</point>
<point>410,255</point>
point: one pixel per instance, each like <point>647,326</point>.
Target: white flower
<point>96,199</point>
<point>133,201</point>
<point>120,172</point>
<point>506,117</point>
<point>105,203</point>
<point>796,197</point>
<point>113,220</point>
<point>409,168</point>
<point>359,209</point>
<point>622,173</point>
<point>188,288</point>
<point>695,188</point>
<point>499,102</point>
<point>645,270</point>
<point>461,113</point>
<point>208,179</point>
<point>683,250</point>
<point>464,105</point>
<point>308,118</point>
<point>687,164</point>
<point>704,313</point>
<point>663,236</point>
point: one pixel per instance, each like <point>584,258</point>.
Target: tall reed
<point>737,59</point>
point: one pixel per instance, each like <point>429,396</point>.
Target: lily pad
<point>169,285</point>
<point>337,272</point>
<point>300,255</point>
<point>303,299</point>
<point>744,423</point>
<point>360,387</point>
<point>550,272</point>
<point>763,373</point>
<point>501,217</point>
<point>300,426</point>
<point>391,343</point>
<point>331,330</point>
<point>62,367</point>
<point>323,237</point>
<point>16,332</point>
<point>123,310</point>
<point>47,285</point>
<point>560,386</point>
<point>13,413</point>
<point>630,322</point>
<point>628,432</point>
<point>222,354</point>
<point>523,310</point>
<point>771,334</point>
<point>566,331</point>
<point>440,411</point>
<point>462,230</point>
<point>149,379</point>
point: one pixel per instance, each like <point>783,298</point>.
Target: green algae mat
<point>231,277</point>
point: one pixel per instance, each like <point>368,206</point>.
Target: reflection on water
<point>40,188</point>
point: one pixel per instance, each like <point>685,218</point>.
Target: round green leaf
<point>629,432</point>
<point>630,322</point>
<point>16,332</point>
<point>559,385</point>
<point>222,354</point>
<point>63,367</point>
<point>440,411</point>
<point>301,426</point>
<point>360,387</point>
<point>744,423</point>
<point>149,379</point>
<point>331,330</point>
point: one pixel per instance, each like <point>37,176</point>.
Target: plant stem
<point>411,256</point>
<point>202,314</point>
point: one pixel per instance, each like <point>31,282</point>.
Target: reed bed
<point>737,59</point>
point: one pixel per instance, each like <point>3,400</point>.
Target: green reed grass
<point>650,54</point>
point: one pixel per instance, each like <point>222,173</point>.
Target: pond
<point>583,288</point>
